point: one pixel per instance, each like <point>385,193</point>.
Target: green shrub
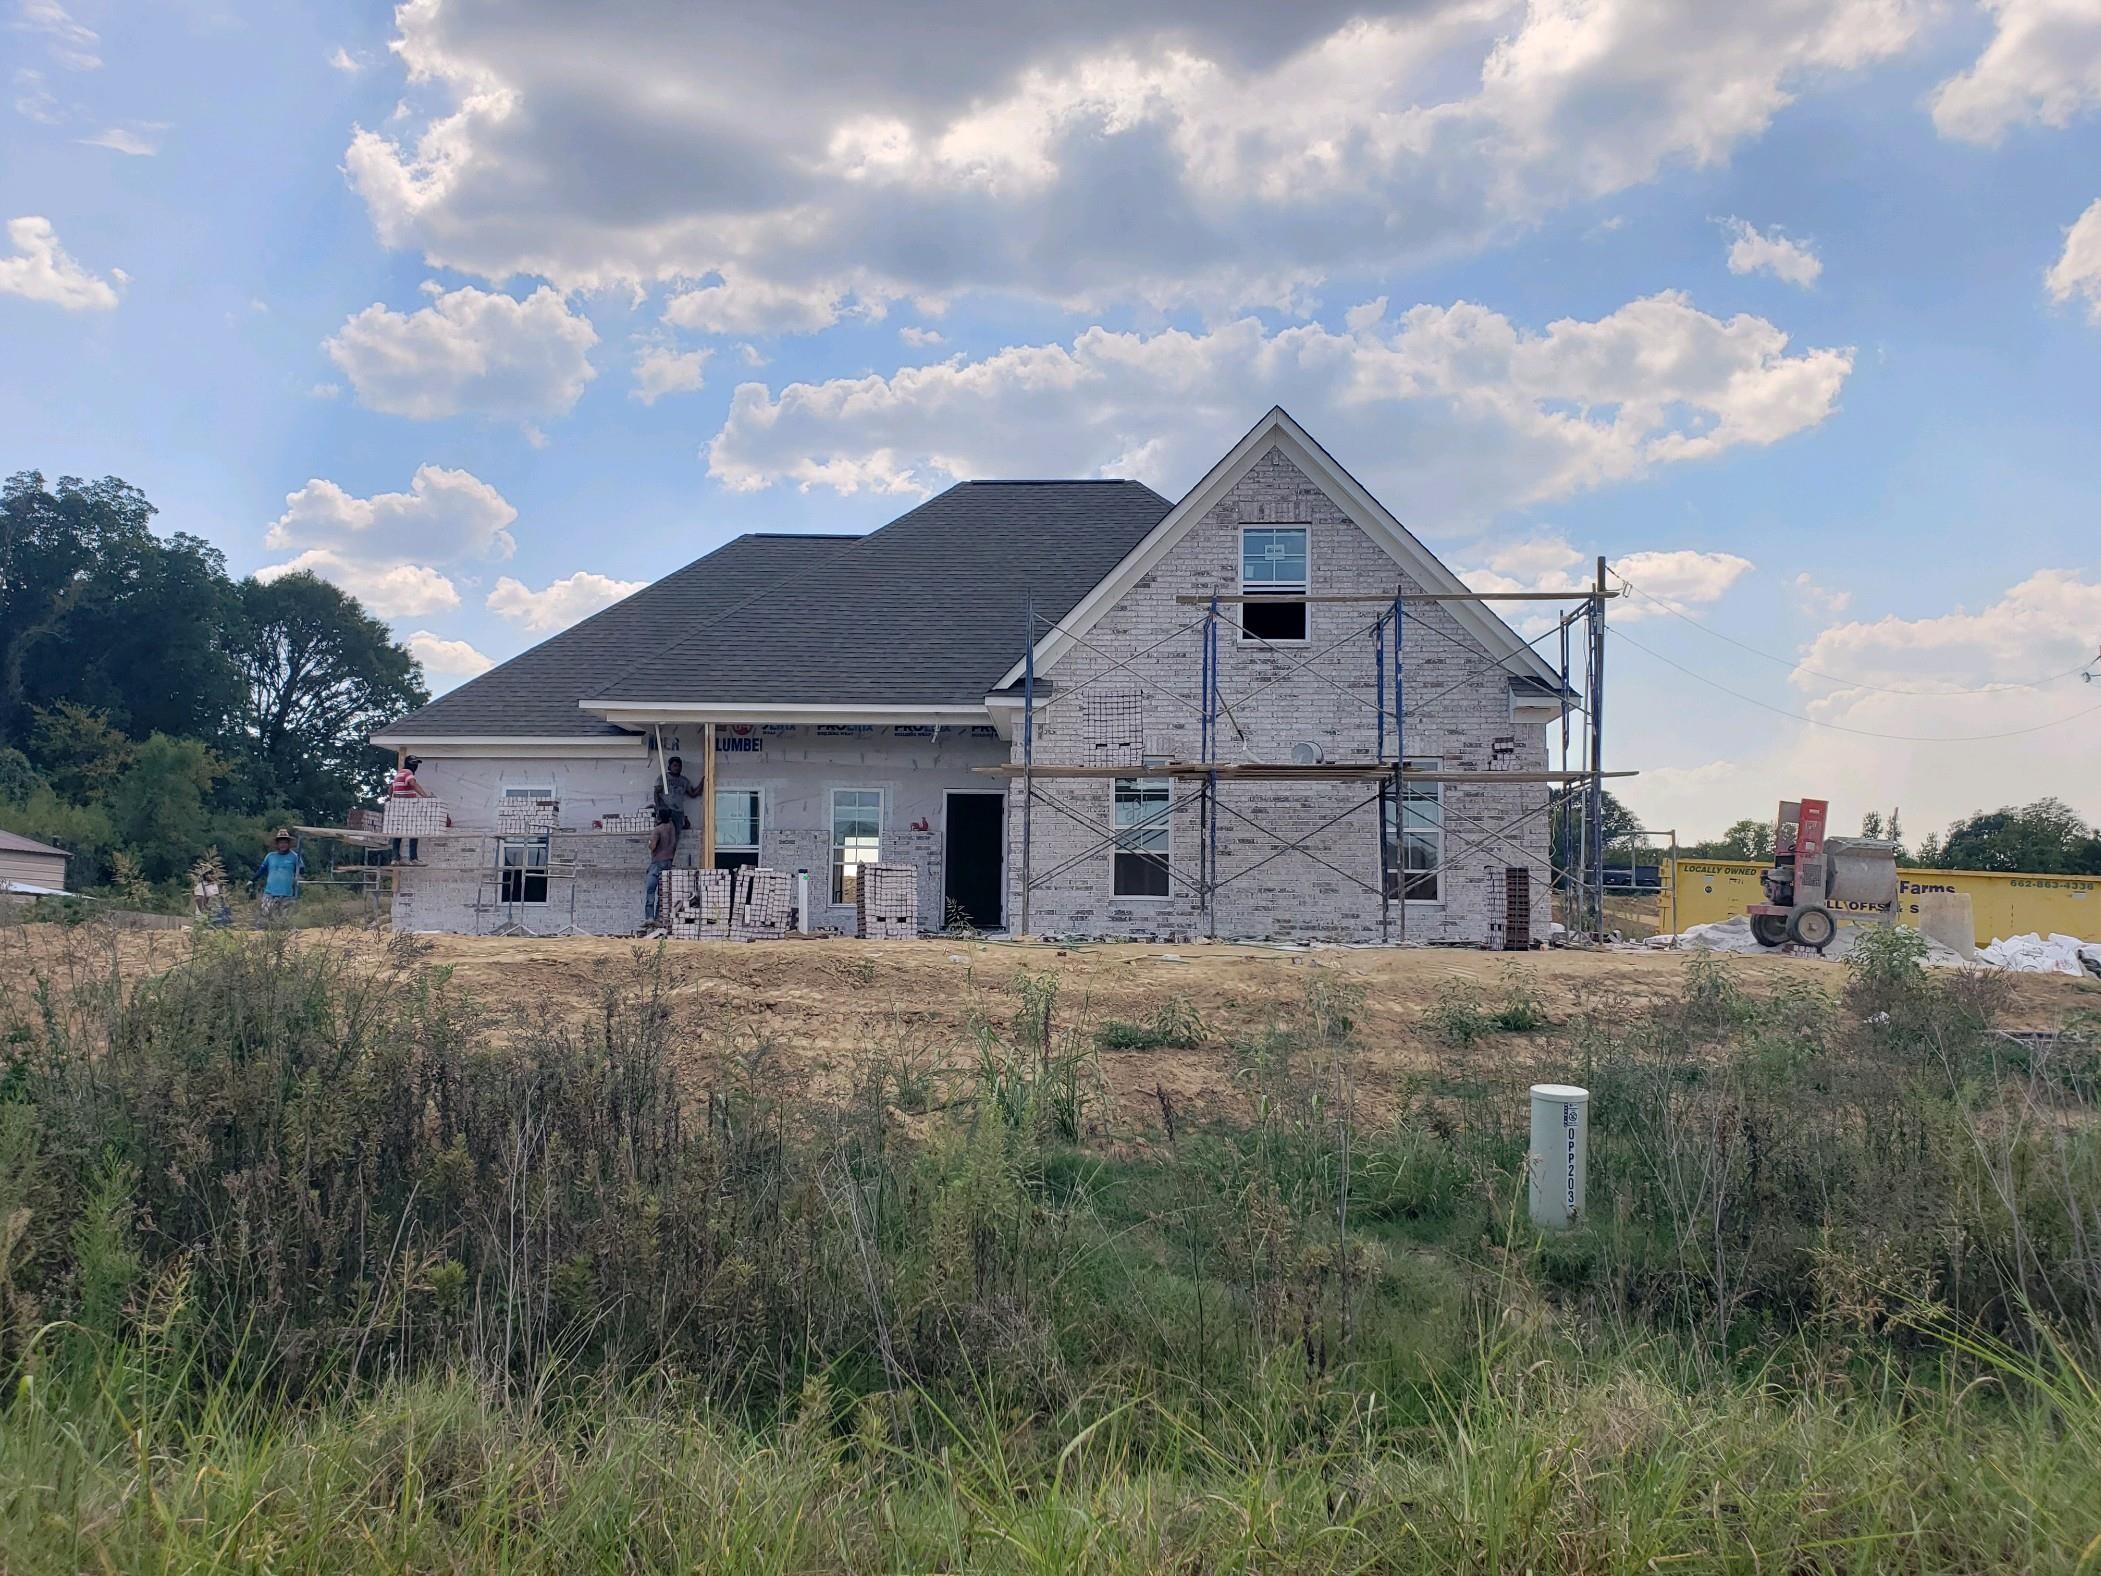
<point>1173,1026</point>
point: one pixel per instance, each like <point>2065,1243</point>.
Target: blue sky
<point>486,311</point>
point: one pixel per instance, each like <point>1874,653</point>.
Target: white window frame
<point>1163,821</point>
<point>527,847</point>
<point>837,874</point>
<point>1302,588</point>
<point>758,820</point>
<point>1420,763</point>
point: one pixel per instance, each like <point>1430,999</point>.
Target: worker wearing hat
<point>278,877</point>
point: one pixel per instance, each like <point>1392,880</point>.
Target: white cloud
<point>1754,251</point>
<point>446,659</point>
<point>2048,623</point>
<point>384,549</point>
<point>2077,271</point>
<point>445,516</point>
<point>118,140</point>
<point>389,590</point>
<point>920,337</point>
<point>1684,577</point>
<point>1451,413</point>
<point>325,390</point>
<point>753,357</point>
<point>2043,65</point>
<point>33,100</point>
<point>72,44</point>
<point>755,306</point>
<point>1933,756</point>
<point>1813,594</point>
<point>560,604</point>
<point>663,369</point>
<point>343,60</point>
<point>41,270</point>
<point>468,352</point>
<point>1213,153</point>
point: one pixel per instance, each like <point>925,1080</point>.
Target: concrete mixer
<point>1813,874</point>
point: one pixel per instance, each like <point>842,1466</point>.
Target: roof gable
<point>1278,430</point>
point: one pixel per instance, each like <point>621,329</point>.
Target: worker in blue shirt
<point>278,877</point>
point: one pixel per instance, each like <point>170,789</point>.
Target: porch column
<point>707,796</point>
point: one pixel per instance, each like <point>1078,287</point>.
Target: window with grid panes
<point>1413,841</point>
<point>522,861</point>
<point>857,836</point>
<point>1273,558</point>
<point>1142,837</point>
<point>736,828</point>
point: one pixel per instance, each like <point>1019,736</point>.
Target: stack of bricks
<point>408,816</point>
<point>886,902</point>
<point>527,817</point>
<point>628,821</point>
<point>695,904</point>
<point>364,818</point>
<point>765,904</point>
<point>1115,727</point>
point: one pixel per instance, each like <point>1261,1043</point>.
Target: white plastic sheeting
<point>1734,935</point>
<point>2034,954</point>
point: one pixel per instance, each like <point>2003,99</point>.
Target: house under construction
<point>1061,708</point>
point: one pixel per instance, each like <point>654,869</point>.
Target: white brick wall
<point>793,772</point>
<point>1458,706</point>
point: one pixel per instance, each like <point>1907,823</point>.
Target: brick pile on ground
<point>765,904</point>
<point>695,904</point>
<point>886,902</point>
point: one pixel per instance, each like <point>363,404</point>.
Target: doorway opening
<point>974,859</point>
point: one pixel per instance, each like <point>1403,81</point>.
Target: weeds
<point>1173,1026</point>
<point>299,1267</point>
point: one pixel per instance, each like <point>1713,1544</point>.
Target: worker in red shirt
<point>403,785</point>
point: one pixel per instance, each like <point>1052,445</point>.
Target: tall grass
<point>303,1265</point>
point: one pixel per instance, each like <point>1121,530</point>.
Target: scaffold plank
<point>1250,771</point>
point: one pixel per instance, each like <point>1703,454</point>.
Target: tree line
<point>152,706</point>
<point>2047,837</point>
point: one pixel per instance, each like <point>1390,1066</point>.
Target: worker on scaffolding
<point>663,849</point>
<point>674,791</point>
<point>403,785</point>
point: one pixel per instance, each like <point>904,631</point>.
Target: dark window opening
<point>1273,620</point>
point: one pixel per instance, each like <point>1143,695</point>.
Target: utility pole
<point>1596,816</point>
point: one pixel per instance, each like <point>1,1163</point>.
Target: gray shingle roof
<point>535,694</point>
<point>15,843</point>
<point>930,610</point>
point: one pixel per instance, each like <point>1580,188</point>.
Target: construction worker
<point>403,785</point>
<point>674,791</point>
<point>663,848</point>
<point>278,877</point>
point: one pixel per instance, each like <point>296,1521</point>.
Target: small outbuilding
<point>31,869</point>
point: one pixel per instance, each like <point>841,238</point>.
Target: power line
<point>1833,678</point>
<point>1839,727</point>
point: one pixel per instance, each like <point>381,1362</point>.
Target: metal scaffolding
<point>1386,771</point>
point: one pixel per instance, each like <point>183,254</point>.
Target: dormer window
<point>1273,559</point>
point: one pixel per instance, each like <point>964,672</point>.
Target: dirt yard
<point>817,1014</point>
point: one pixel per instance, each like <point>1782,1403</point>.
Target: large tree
<point>97,611</point>
<point>2047,837</point>
<point>158,808</point>
<point>1745,839</point>
<point>319,675</point>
